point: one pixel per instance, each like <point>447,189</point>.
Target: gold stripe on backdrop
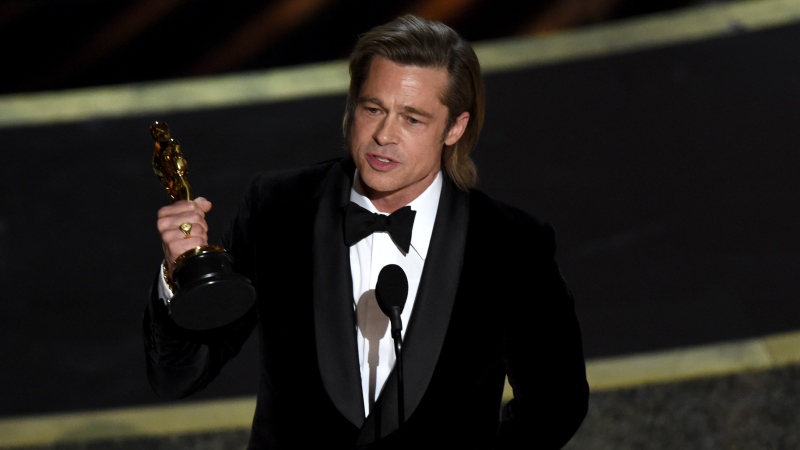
<point>682,25</point>
<point>189,417</point>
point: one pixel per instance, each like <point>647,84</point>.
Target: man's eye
<point>413,121</point>
<point>372,110</point>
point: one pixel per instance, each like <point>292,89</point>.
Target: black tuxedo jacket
<point>491,303</point>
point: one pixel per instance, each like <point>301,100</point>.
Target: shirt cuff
<point>164,291</point>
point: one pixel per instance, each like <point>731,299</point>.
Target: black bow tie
<point>360,223</point>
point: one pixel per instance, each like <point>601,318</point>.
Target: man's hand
<point>173,240</point>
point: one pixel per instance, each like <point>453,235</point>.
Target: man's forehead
<point>416,84</point>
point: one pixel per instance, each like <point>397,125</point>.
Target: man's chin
<point>375,185</point>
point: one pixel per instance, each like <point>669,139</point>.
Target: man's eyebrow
<point>370,100</point>
<point>407,109</point>
<point>418,112</point>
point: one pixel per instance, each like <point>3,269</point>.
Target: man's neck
<point>388,202</point>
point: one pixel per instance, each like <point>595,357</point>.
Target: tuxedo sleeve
<point>543,350</point>
<point>181,362</point>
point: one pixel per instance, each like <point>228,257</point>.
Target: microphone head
<point>391,289</point>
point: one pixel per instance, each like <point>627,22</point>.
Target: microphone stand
<point>397,327</point>
<point>390,292</point>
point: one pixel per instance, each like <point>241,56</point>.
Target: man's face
<point>398,124</point>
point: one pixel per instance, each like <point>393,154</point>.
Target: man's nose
<point>386,132</point>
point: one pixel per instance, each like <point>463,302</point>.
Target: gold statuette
<point>208,293</point>
<point>169,164</point>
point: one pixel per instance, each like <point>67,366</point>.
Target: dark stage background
<point>670,176</point>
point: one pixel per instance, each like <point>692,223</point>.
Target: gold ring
<point>186,227</point>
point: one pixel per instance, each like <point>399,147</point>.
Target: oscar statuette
<point>207,292</point>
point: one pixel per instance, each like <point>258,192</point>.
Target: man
<point>485,297</point>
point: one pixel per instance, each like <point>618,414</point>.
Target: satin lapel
<point>334,321</point>
<point>427,328</point>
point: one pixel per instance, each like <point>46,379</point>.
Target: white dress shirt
<point>367,257</point>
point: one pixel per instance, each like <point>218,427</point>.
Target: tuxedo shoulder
<point>293,182</point>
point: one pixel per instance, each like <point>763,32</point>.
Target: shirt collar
<point>425,205</point>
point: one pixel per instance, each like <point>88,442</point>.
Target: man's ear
<point>457,129</point>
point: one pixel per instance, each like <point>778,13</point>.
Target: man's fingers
<point>183,227</point>
<point>189,228</point>
<point>180,246</point>
<point>199,226</point>
<point>200,206</point>
<point>185,231</point>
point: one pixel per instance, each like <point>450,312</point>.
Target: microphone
<point>391,291</point>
